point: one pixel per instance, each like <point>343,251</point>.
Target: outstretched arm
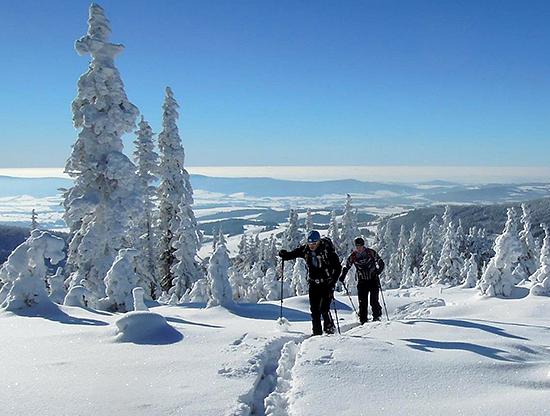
<point>291,255</point>
<point>345,269</point>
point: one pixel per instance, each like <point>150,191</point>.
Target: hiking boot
<point>329,330</point>
<point>376,319</point>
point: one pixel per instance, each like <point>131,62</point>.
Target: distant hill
<point>491,217</point>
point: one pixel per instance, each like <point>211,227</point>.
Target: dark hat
<point>359,241</point>
<point>313,236</point>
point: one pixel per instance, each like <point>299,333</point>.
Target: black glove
<point>342,277</point>
<point>283,254</point>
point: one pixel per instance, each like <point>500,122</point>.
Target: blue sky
<point>295,82</point>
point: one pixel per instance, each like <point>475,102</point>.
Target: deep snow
<point>446,351</point>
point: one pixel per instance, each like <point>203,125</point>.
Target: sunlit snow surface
<point>445,351</point>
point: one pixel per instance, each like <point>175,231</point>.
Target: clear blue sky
<point>280,82</point>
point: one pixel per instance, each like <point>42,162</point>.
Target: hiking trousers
<point>368,288</point>
<point>320,297</point>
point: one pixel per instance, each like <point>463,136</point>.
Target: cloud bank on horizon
<point>405,174</point>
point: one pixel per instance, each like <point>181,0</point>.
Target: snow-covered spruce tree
<point>34,223</point>
<point>255,290</point>
<point>308,225</point>
<point>498,278</point>
<point>299,278</point>
<point>200,292</point>
<point>541,277</point>
<point>146,159</point>
<point>177,224</point>
<point>57,286</point>
<point>431,252</point>
<point>470,272</point>
<point>218,277</point>
<point>237,283</point>
<point>24,272</point>
<point>333,231</point>
<point>349,228</point>
<point>120,280</point>
<point>529,259</point>
<point>292,237</point>
<point>105,198</point>
<point>414,250</point>
<point>272,285</point>
<point>396,267</point>
<point>450,263</point>
<point>187,270</point>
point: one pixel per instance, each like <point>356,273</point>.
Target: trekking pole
<point>383,301</point>
<point>336,313</point>
<point>349,297</point>
<point>282,278</point>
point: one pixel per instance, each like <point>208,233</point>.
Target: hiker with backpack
<point>368,266</point>
<point>323,265</point>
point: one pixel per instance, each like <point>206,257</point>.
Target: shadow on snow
<point>52,312</point>
<point>427,345</point>
<point>467,324</point>
<point>267,311</point>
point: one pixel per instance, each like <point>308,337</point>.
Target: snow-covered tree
<point>24,273</point>
<point>292,237</point>
<point>146,160</point>
<point>254,279</point>
<point>120,280</point>
<point>470,273</point>
<point>308,225</point>
<point>349,228</point>
<point>541,277</point>
<point>450,262</point>
<point>34,223</point>
<point>498,278</point>
<point>187,270</point>
<point>57,286</point>
<point>529,259</point>
<point>218,277</point>
<point>431,252</point>
<point>333,231</point>
<point>272,285</point>
<point>300,284</point>
<point>177,224</point>
<point>105,198</point>
<point>237,283</point>
<point>200,292</point>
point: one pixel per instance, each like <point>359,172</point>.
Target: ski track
<point>273,365</point>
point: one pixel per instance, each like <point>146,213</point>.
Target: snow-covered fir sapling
<point>34,223</point>
<point>120,280</point>
<point>218,277</point>
<point>498,278</point>
<point>292,237</point>
<point>529,259</point>
<point>308,225</point>
<point>105,199</point>
<point>469,273</point>
<point>139,303</point>
<point>333,231</point>
<point>541,277</point>
<point>272,285</point>
<point>24,272</point>
<point>57,286</point>
<point>77,295</point>
<point>177,224</point>
<point>200,292</point>
<point>350,230</point>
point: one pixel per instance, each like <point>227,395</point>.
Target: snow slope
<point>444,352</point>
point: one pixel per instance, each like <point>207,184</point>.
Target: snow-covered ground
<point>446,351</point>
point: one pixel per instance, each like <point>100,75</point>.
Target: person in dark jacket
<point>368,266</point>
<point>323,265</point>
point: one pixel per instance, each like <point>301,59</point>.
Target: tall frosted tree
<point>309,221</point>
<point>349,228</point>
<point>451,262</point>
<point>34,223</point>
<point>146,159</point>
<point>541,277</point>
<point>177,224</point>
<point>498,278</point>
<point>218,277</point>
<point>431,252</point>
<point>333,231</point>
<point>292,236</point>
<point>105,198</point>
<point>529,259</point>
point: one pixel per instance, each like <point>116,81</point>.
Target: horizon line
<point>381,173</point>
